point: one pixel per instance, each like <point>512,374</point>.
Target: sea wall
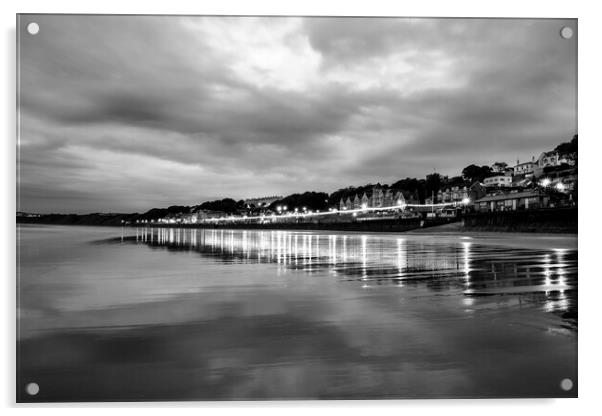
<point>552,220</point>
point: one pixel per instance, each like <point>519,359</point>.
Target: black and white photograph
<point>234,208</point>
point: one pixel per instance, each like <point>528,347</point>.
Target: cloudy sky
<point>122,114</point>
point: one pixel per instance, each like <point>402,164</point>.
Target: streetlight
<point>545,182</point>
<point>364,206</point>
<point>560,186</point>
<point>466,201</point>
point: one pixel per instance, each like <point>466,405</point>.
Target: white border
<point>590,70</point>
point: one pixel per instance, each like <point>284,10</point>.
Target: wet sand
<point>121,314</point>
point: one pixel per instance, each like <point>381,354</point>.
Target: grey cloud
<point>151,87</point>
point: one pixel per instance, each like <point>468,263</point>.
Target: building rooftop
<point>513,195</point>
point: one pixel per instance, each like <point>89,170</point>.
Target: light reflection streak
<point>546,271</point>
<point>364,257</point>
<point>466,260</point>
<point>401,258</point>
<point>394,259</point>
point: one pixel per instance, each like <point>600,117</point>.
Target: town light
<point>285,207</point>
<point>364,206</point>
<point>560,186</point>
<point>545,182</point>
<point>279,208</point>
<point>304,208</point>
<point>296,209</point>
<point>466,201</point>
<point>399,202</point>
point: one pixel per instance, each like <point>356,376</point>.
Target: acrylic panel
<point>275,208</point>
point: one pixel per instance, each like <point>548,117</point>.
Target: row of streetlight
<point>306,213</point>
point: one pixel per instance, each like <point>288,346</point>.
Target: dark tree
<point>433,184</point>
<point>335,197</point>
<point>568,149</point>
<point>456,181</point>
<point>155,213</point>
<point>407,184</point>
<point>474,173</point>
<point>311,200</point>
<point>227,205</point>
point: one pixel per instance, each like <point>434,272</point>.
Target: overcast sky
<point>122,114</point>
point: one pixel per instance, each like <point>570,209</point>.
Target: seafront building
<point>513,201</point>
<point>524,168</point>
<point>377,197</point>
<point>452,194</point>
<point>499,181</point>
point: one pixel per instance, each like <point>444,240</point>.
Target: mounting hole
<point>566,32</point>
<point>32,389</point>
<point>566,384</point>
<point>33,28</point>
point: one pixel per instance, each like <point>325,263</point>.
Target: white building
<point>548,159</point>
<point>500,180</point>
<point>525,168</point>
<point>499,167</point>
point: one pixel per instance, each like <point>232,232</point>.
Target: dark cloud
<point>124,113</point>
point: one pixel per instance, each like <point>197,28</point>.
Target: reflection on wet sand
<point>181,314</point>
<point>544,276</point>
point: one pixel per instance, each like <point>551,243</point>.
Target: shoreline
<point>445,229</point>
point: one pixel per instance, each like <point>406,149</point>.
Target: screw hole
<point>33,28</point>
<point>32,389</point>
<point>566,32</point>
<point>566,384</point>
